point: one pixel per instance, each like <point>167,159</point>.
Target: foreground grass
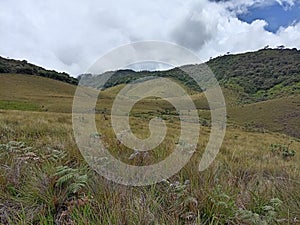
<point>44,179</point>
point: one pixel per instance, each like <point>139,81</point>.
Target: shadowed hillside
<point>23,67</point>
<point>256,76</point>
<point>262,75</point>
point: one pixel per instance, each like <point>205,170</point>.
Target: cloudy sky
<point>70,35</point>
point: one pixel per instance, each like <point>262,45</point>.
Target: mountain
<point>256,76</point>
<point>11,66</point>
<point>262,75</point>
<point>261,89</point>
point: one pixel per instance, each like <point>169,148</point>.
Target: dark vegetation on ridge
<point>13,66</point>
<point>263,74</point>
<point>258,76</point>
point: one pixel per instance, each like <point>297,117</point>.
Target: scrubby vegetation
<point>23,67</point>
<point>264,74</point>
<point>256,76</point>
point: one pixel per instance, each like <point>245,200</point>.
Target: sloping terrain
<point>29,92</point>
<point>262,75</point>
<point>45,180</point>
<point>257,76</point>
<point>278,115</point>
<point>33,93</point>
<point>261,89</point>
<point>13,66</point>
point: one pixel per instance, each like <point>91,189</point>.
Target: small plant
<point>268,213</point>
<point>72,179</point>
<point>15,147</point>
<point>223,205</point>
<point>283,150</point>
<point>70,184</point>
<point>181,199</point>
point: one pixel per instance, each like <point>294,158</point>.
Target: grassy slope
<point>36,93</point>
<point>246,174</point>
<point>279,115</point>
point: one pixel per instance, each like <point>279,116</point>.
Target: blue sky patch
<point>276,15</point>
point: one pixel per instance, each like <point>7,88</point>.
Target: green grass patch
<point>17,105</point>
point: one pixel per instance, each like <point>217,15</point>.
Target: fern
<point>71,179</point>
<point>57,155</point>
<point>268,214</point>
<point>61,170</point>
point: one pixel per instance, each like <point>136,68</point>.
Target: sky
<point>70,35</point>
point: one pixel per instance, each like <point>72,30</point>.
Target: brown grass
<point>245,175</point>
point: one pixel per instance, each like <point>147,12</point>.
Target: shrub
<point>283,150</point>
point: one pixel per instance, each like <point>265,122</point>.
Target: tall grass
<point>44,179</point>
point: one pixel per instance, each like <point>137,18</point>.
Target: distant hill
<point>262,75</point>
<point>11,66</point>
<point>257,76</point>
<point>272,100</point>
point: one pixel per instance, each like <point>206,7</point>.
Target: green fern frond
<point>72,179</point>
<point>64,179</point>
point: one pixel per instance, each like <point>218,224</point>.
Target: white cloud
<point>290,36</point>
<point>228,34</point>
<point>71,35</point>
<point>242,5</point>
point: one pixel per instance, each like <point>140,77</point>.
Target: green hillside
<point>23,67</point>
<point>262,75</point>
<point>269,105</point>
<point>256,76</point>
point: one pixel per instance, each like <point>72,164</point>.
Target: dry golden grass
<point>45,94</point>
<point>244,178</point>
<point>279,115</point>
<point>50,183</point>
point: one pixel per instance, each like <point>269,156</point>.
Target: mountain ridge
<point>256,76</point>
<point>13,66</point>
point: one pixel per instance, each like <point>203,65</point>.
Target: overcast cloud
<point>71,35</point>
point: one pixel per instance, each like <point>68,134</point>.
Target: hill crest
<point>12,66</point>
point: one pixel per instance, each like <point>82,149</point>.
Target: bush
<point>283,150</point>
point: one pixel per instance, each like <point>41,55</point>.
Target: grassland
<point>45,180</point>
<point>248,183</point>
<point>28,92</point>
<point>279,115</point>
<point>33,93</point>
